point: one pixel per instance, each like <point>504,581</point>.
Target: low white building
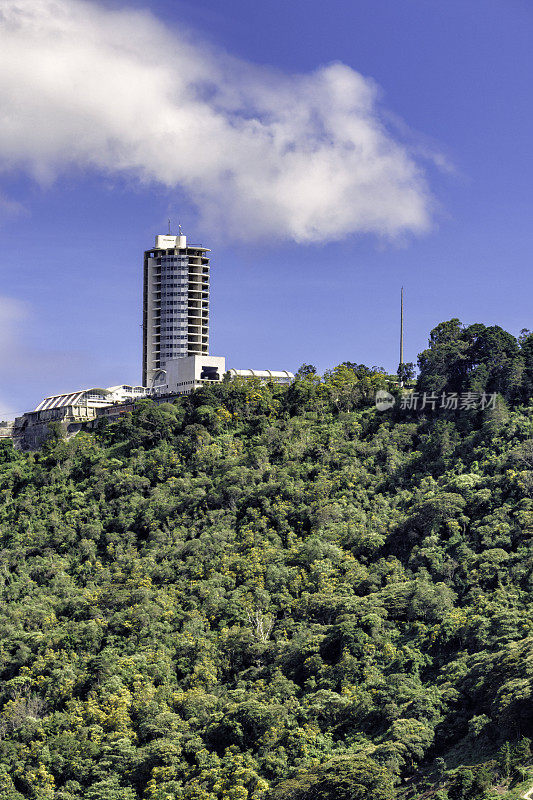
<point>184,375</point>
<point>71,411</point>
<point>94,398</point>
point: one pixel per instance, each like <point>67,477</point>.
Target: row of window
<point>165,319</point>
<point>173,273</point>
<point>172,351</point>
<point>182,268</point>
<point>171,252</point>
<point>181,272</point>
<point>173,328</point>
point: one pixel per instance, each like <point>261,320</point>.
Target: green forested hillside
<point>277,593</point>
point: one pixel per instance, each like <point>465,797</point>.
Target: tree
<point>504,760</point>
<point>305,371</point>
<point>474,358</point>
<point>406,372</point>
<point>470,784</point>
<point>343,778</point>
<point>526,351</point>
<point>440,768</point>
<point>521,751</point>
<point>362,371</point>
<point>462,785</point>
<point>443,365</point>
<point>494,362</point>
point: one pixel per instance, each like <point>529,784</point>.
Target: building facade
<point>175,303</point>
<point>71,411</point>
<point>184,375</point>
<point>94,398</point>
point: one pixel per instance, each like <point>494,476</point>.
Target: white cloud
<point>260,153</point>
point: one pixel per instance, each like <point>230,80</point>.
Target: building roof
<point>73,398</point>
<point>92,397</point>
<point>261,373</point>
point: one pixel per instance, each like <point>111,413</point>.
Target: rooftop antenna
<point>179,229</point>
<point>169,227</point>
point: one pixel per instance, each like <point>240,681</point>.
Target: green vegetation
<point>277,593</point>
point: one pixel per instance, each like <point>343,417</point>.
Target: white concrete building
<point>93,398</point>
<point>183,375</point>
<point>71,411</point>
<point>175,303</point>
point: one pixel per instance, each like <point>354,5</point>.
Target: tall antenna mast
<point>401,329</point>
<point>169,227</point>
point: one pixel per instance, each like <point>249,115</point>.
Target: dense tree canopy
<point>276,593</point>
<point>477,358</point>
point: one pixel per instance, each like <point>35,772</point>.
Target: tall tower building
<point>175,303</point>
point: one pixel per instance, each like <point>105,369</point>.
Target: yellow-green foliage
<point>262,590</point>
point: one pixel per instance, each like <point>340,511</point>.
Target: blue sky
<point>308,280</point>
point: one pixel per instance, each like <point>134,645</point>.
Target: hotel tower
<point>175,303</point>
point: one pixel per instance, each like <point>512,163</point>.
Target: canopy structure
<point>278,376</point>
<point>94,398</point>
